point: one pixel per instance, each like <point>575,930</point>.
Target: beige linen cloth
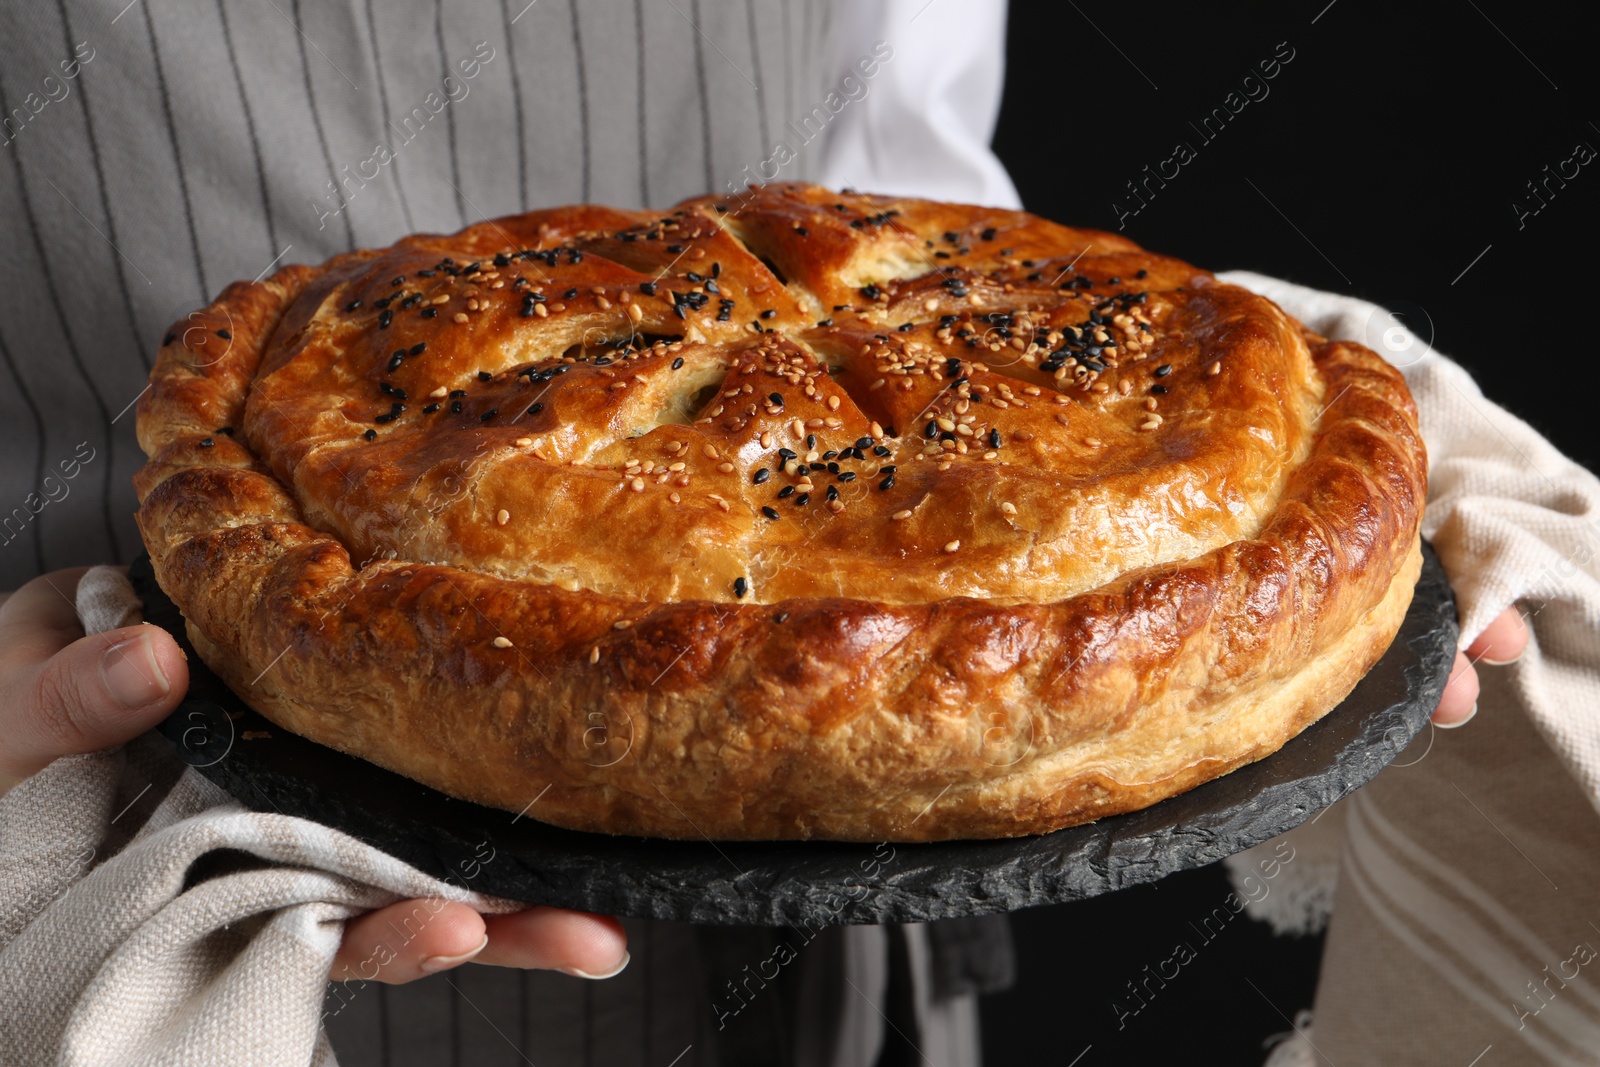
<point>114,950</point>
<point>1464,921</point>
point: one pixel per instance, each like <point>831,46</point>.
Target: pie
<point>797,514</point>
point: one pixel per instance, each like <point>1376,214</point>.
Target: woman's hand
<point>62,693</point>
<point>1501,642</point>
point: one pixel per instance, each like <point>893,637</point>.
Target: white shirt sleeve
<point>922,123</point>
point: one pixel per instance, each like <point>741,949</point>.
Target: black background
<point>1385,158</point>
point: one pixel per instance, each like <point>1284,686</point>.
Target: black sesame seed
<point>776,398</point>
<point>863,442</point>
<point>430,409</point>
<point>881,450</point>
<point>675,249</point>
<point>782,616</point>
<point>887,483</point>
<point>786,492</point>
<point>931,430</point>
<point>825,322</point>
<point>1142,274</point>
<point>455,407</point>
<point>802,500</point>
<point>811,440</point>
<point>370,435</point>
<point>457,393</point>
<point>994,438</point>
<point>487,415</point>
<point>1163,370</point>
<point>225,335</point>
<point>769,313</point>
<point>848,476</point>
<point>1158,389</point>
<point>741,586</point>
<point>534,409</point>
<point>429,313</point>
<point>352,305</point>
<point>802,231</point>
<point>833,492</point>
<point>770,512</point>
<point>761,475</point>
<point>207,442</point>
<point>385,317</point>
<point>677,363</point>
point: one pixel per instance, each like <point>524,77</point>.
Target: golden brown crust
<point>1114,529</point>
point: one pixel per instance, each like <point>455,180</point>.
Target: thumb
<point>99,691</point>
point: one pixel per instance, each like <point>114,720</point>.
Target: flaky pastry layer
<point>804,514</point>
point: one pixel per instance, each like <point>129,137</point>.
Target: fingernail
<point>1502,662</point>
<point>1459,722</point>
<point>435,964</point>
<point>131,674</point>
<point>612,973</point>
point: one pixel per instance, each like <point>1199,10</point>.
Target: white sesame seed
<point>953,546</point>
<point>621,624</point>
<point>1214,369</point>
<point>637,485</point>
<point>594,654</point>
<point>460,317</point>
<point>1008,508</point>
<point>901,516</point>
<point>502,516</point>
<point>502,642</point>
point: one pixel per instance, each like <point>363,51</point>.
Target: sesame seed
<point>502,516</point>
<point>502,642</point>
<point>637,485</point>
<point>741,586</point>
<point>953,546</point>
<point>769,511</point>
<point>1214,369</point>
<point>594,654</point>
<point>761,475</point>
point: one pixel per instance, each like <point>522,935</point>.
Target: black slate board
<point>816,883</point>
